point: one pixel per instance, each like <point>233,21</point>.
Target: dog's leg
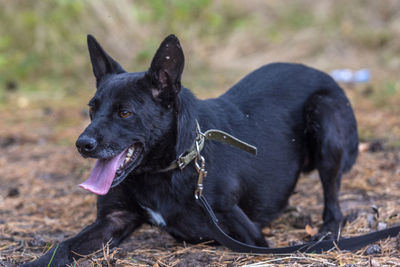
<point>332,140</point>
<point>330,175</point>
<point>116,219</point>
<point>242,228</point>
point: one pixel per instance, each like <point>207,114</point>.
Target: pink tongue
<point>103,174</point>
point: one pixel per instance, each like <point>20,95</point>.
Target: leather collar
<point>212,134</point>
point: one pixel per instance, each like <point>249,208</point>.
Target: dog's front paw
<point>55,257</point>
<point>45,261</point>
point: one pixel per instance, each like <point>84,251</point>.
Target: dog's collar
<point>212,134</point>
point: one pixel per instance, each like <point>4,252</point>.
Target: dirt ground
<point>40,203</point>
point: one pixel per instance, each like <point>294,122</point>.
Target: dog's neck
<point>177,139</point>
<point>185,121</point>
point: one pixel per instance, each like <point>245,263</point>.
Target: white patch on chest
<point>155,217</point>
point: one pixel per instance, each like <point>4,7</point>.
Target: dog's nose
<point>86,144</point>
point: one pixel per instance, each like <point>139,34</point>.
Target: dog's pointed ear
<point>102,63</point>
<point>166,69</point>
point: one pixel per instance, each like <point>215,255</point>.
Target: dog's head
<point>130,112</point>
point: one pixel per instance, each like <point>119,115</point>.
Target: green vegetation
<point>43,44</point>
<point>52,256</point>
<point>385,97</point>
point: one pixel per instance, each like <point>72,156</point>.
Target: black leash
<point>350,244</point>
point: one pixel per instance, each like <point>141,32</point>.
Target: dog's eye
<point>124,114</point>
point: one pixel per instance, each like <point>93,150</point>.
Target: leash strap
<point>221,136</point>
<point>350,244</point>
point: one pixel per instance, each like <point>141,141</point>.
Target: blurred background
<point>43,54</point>
<point>46,82</point>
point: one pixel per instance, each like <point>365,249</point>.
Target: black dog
<point>297,117</point>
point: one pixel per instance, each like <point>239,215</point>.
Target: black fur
<point>297,117</point>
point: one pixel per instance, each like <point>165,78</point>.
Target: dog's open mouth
<point>110,172</point>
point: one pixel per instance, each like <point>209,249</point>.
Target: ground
<point>41,204</point>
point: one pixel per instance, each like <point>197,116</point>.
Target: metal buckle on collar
<point>180,162</point>
<point>200,165</point>
<point>186,157</point>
